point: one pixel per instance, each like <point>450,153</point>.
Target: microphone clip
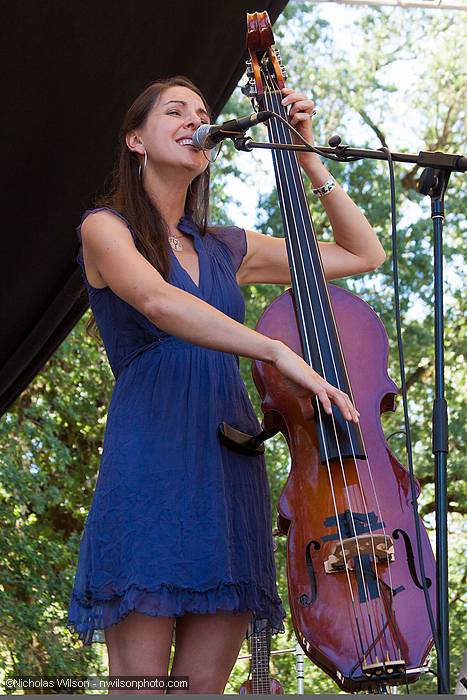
<point>242,143</point>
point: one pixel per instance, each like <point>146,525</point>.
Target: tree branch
<point>367,119</point>
<point>460,590</point>
<point>419,374</point>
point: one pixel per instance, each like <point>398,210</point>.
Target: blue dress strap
<point>113,211</point>
<point>235,240</point>
<point>79,257</point>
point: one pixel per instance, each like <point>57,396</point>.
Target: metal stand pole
<point>300,658</point>
<point>434,183</point>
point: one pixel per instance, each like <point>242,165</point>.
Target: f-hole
<point>410,558</point>
<point>304,599</point>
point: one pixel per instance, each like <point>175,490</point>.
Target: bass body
<point>376,630</point>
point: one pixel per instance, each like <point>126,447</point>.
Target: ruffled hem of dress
<point>89,616</point>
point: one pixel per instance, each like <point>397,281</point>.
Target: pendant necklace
<point>175,243</point>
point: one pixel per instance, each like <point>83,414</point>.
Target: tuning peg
<point>249,89</point>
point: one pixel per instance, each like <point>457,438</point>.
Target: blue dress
<point>178,522</point>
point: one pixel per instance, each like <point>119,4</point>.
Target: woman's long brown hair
<point>127,195</point>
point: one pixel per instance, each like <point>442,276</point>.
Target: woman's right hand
<point>304,382</point>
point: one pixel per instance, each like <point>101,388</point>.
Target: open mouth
<point>186,142</point>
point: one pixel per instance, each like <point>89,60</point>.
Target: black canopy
<point>71,69</point>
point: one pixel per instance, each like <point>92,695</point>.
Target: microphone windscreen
<point>201,139</point>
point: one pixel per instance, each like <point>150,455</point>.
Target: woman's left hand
<point>300,116</point>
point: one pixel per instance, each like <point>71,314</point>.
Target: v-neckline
<point>188,226</point>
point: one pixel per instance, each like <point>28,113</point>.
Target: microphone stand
<point>424,159</point>
<point>433,181</point>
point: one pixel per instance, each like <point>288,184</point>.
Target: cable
<point>396,432</point>
<point>314,149</point>
<point>408,441</point>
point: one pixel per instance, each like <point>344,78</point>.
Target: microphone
<point>207,136</point>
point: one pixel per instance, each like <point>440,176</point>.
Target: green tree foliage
<point>50,446</point>
<point>51,439</point>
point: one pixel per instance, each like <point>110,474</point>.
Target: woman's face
<point>169,128</point>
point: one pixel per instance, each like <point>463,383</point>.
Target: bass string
<point>368,601</point>
<point>327,459</point>
<point>361,492</point>
<point>273,80</point>
<point>378,506</point>
<point>356,464</point>
<point>367,462</point>
<point>375,559</point>
<point>344,477</point>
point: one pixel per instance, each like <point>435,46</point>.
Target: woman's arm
<point>356,248</point>
<point>108,245</point>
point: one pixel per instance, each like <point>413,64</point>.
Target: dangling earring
<point>141,172</point>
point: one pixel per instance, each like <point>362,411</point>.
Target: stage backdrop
<point>70,71</point>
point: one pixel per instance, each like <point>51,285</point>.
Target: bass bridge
<point>345,553</point>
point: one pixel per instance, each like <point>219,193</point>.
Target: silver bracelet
<point>326,188</point>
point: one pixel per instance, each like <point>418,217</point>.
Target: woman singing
<point>178,535</point>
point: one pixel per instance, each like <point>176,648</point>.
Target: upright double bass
<point>355,589</point>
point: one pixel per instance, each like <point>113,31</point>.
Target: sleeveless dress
<point>178,522</point>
